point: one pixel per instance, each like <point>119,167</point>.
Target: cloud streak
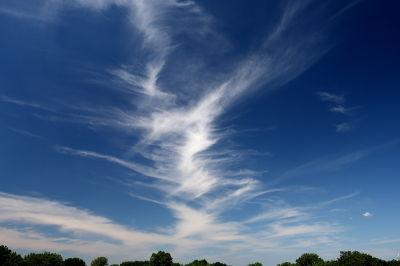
<point>87,233</point>
<point>337,103</point>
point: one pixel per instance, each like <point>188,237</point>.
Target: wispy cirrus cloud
<point>10,100</point>
<point>337,106</point>
<point>343,127</point>
<point>331,98</point>
<point>84,232</point>
<point>328,164</point>
<point>25,133</point>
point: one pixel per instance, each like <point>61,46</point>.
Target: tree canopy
<point>255,264</point>
<point>161,258</point>
<point>202,262</point>
<point>74,262</point>
<point>99,261</point>
<point>134,263</point>
<point>309,259</point>
<point>9,257</point>
<point>43,259</point>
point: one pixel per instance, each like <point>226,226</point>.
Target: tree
<point>99,261</point>
<point>355,258</point>
<point>287,264</point>
<point>202,262</point>
<point>74,262</point>
<point>394,263</point>
<point>160,258</point>
<point>9,257</point>
<point>43,259</point>
<point>255,264</point>
<point>218,264</point>
<point>309,259</point>
<point>135,263</point>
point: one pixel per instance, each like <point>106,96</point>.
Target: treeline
<point>346,258</point>
<point>161,258</point>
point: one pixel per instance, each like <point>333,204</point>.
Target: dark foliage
<point>134,263</point>
<point>346,258</point>
<point>9,257</point>
<point>161,258</point>
<point>202,262</point>
<point>100,261</point>
<point>255,264</point>
<point>309,259</point>
<point>74,262</point>
<point>43,259</point>
<point>218,264</point>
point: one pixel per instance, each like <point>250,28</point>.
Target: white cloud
<point>331,98</point>
<point>6,99</point>
<point>327,164</point>
<point>343,127</point>
<point>367,214</point>
<point>86,233</point>
<point>340,109</point>
<point>25,133</point>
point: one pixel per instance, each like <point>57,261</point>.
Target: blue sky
<point>211,129</point>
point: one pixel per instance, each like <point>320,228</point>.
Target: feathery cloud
<point>343,127</point>
<point>331,98</point>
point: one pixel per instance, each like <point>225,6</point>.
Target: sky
<point>233,131</point>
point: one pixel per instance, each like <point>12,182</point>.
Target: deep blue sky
<point>219,129</point>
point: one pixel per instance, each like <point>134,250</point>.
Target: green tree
<point>287,264</point>
<point>9,257</point>
<point>161,258</point>
<point>256,264</point>
<point>218,264</point>
<point>135,263</point>
<point>331,263</point>
<point>74,262</point>
<point>394,263</point>
<point>355,258</point>
<point>43,259</point>
<point>202,262</point>
<point>99,261</point>
<point>309,259</point>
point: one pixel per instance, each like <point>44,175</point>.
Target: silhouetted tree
<point>355,258</point>
<point>9,257</point>
<point>202,262</point>
<point>394,263</point>
<point>218,264</point>
<point>99,261</point>
<point>256,264</point>
<point>43,259</point>
<point>74,262</point>
<point>287,264</point>
<point>309,259</point>
<point>160,258</point>
<point>135,263</point>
